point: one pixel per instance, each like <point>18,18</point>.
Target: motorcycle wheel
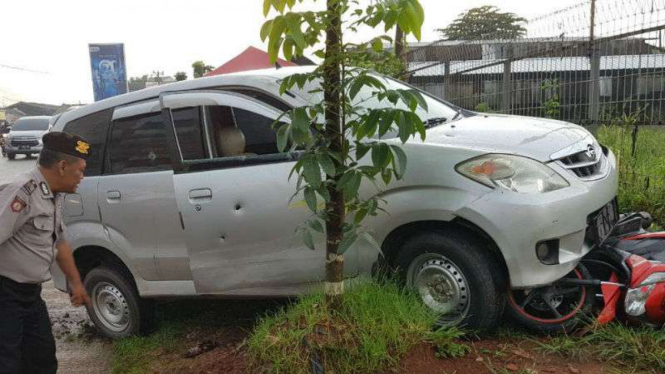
<point>554,308</point>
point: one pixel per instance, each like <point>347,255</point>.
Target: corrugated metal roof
<point>543,64</point>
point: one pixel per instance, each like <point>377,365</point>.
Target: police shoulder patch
<point>17,205</point>
<point>29,187</point>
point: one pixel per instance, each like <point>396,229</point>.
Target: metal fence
<point>590,63</point>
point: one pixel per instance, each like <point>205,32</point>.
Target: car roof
<point>256,78</point>
<point>24,118</point>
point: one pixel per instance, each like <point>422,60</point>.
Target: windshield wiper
<point>459,113</point>
<point>434,121</point>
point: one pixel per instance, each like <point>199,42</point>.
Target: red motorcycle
<point>626,270</point>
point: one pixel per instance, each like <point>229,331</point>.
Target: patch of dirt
<point>79,348</point>
<point>488,356</point>
<point>227,357</point>
<point>496,356</point>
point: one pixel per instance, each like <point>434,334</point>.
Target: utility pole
<point>594,74</point>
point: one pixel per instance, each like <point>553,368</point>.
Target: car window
<point>138,144</point>
<point>93,128</point>
<point>233,127</point>
<point>191,137</point>
<point>40,124</point>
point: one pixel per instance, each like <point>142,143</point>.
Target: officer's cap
<point>73,145</point>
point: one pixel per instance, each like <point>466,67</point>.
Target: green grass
<point>637,349</point>
<point>178,319</point>
<point>134,355</point>
<point>642,176</point>
<point>376,326</point>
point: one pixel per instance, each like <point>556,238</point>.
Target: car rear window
<point>35,124</point>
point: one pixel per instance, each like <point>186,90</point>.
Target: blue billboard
<point>109,75</point>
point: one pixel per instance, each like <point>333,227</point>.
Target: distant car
<point>4,132</point>
<point>187,194</point>
<point>25,136</point>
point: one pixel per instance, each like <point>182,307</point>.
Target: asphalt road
<point>80,350</point>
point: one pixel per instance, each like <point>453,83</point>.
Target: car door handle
<point>113,196</point>
<point>200,194</point>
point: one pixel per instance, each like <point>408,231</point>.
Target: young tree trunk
<point>334,285</point>
<point>400,50</point>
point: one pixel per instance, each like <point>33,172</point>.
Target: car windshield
<point>437,111</point>
<point>31,125</point>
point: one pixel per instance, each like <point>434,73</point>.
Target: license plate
<point>605,219</point>
<point>23,147</point>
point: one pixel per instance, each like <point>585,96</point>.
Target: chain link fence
<point>589,63</point>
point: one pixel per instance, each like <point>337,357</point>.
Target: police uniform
<point>31,224</point>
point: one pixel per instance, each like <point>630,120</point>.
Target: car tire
<point>454,271</point>
<point>117,309</point>
<point>567,307</point>
<point>11,156</point>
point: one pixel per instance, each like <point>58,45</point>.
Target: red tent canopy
<point>251,59</point>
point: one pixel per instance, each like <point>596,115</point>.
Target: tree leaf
<point>377,45</point>
<point>380,155</point>
<point>346,243</point>
<point>399,161</point>
<point>266,7</point>
<point>316,225</point>
<point>307,238</point>
<point>373,243</point>
<point>326,163</point>
<point>311,171</point>
<point>293,22</point>
<point>351,188</point>
<point>282,137</point>
<point>310,199</point>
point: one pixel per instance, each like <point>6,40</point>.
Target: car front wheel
<point>117,309</point>
<point>452,273</point>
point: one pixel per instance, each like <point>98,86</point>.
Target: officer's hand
<point>79,296</point>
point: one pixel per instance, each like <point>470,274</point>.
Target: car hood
<point>34,133</point>
<point>537,138</point>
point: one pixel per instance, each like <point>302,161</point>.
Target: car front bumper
<point>518,222</point>
<point>22,149</point>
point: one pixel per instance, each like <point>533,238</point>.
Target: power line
<point>23,69</point>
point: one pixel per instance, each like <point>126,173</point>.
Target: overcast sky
<point>50,38</point>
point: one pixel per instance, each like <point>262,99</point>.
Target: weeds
<point>376,326</point>
<point>642,175</point>
<point>625,347</point>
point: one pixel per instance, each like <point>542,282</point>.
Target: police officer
<point>31,240</point>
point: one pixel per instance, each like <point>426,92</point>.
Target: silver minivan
<point>25,137</point>
<point>186,194</point>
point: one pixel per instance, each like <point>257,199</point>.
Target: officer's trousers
<point>26,340</point>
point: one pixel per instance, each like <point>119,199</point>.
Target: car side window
<point>190,133</point>
<point>93,128</point>
<point>239,132</point>
<point>138,144</point>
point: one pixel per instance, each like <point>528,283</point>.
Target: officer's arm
<point>13,211</point>
<point>66,263</point>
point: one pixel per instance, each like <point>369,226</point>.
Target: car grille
<point>587,165</point>
<point>21,142</point>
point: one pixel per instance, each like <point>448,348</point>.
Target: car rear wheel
<point>117,309</point>
<point>554,308</point>
<point>451,272</point>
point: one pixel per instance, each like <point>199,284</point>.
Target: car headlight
<point>514,173</point>
<point>636,298</point>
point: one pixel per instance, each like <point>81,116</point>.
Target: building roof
<point>33,109</point>
<point>540,64</point>
<point>250,59</point>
